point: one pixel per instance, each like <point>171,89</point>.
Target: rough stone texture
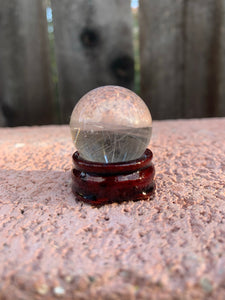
<point>172,247</point>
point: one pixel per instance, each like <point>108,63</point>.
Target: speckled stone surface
<point>172,247</point>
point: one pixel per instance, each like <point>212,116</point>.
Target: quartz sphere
<point>111,124</point>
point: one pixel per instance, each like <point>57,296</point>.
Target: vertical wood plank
<point>221,78</point>
<point>2,117</point>
<point>161,56</point>
<point>93,47</point>
<point>182,57</point>
<point>201,46</point>
<point>26,97</point>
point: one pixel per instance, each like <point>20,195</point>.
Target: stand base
<point>100,183</point>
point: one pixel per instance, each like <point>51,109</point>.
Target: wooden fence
<point>182,56</point>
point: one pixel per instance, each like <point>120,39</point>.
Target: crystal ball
<point>111,124</point>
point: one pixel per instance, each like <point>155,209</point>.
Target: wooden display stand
<point>101,183</point>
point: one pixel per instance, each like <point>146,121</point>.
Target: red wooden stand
<point>100,183</point>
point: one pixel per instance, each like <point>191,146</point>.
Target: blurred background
<point>170,52</point>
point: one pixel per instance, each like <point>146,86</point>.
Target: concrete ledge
<point>172,247</point>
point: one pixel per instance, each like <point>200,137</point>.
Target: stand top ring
<point>112,168</point>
